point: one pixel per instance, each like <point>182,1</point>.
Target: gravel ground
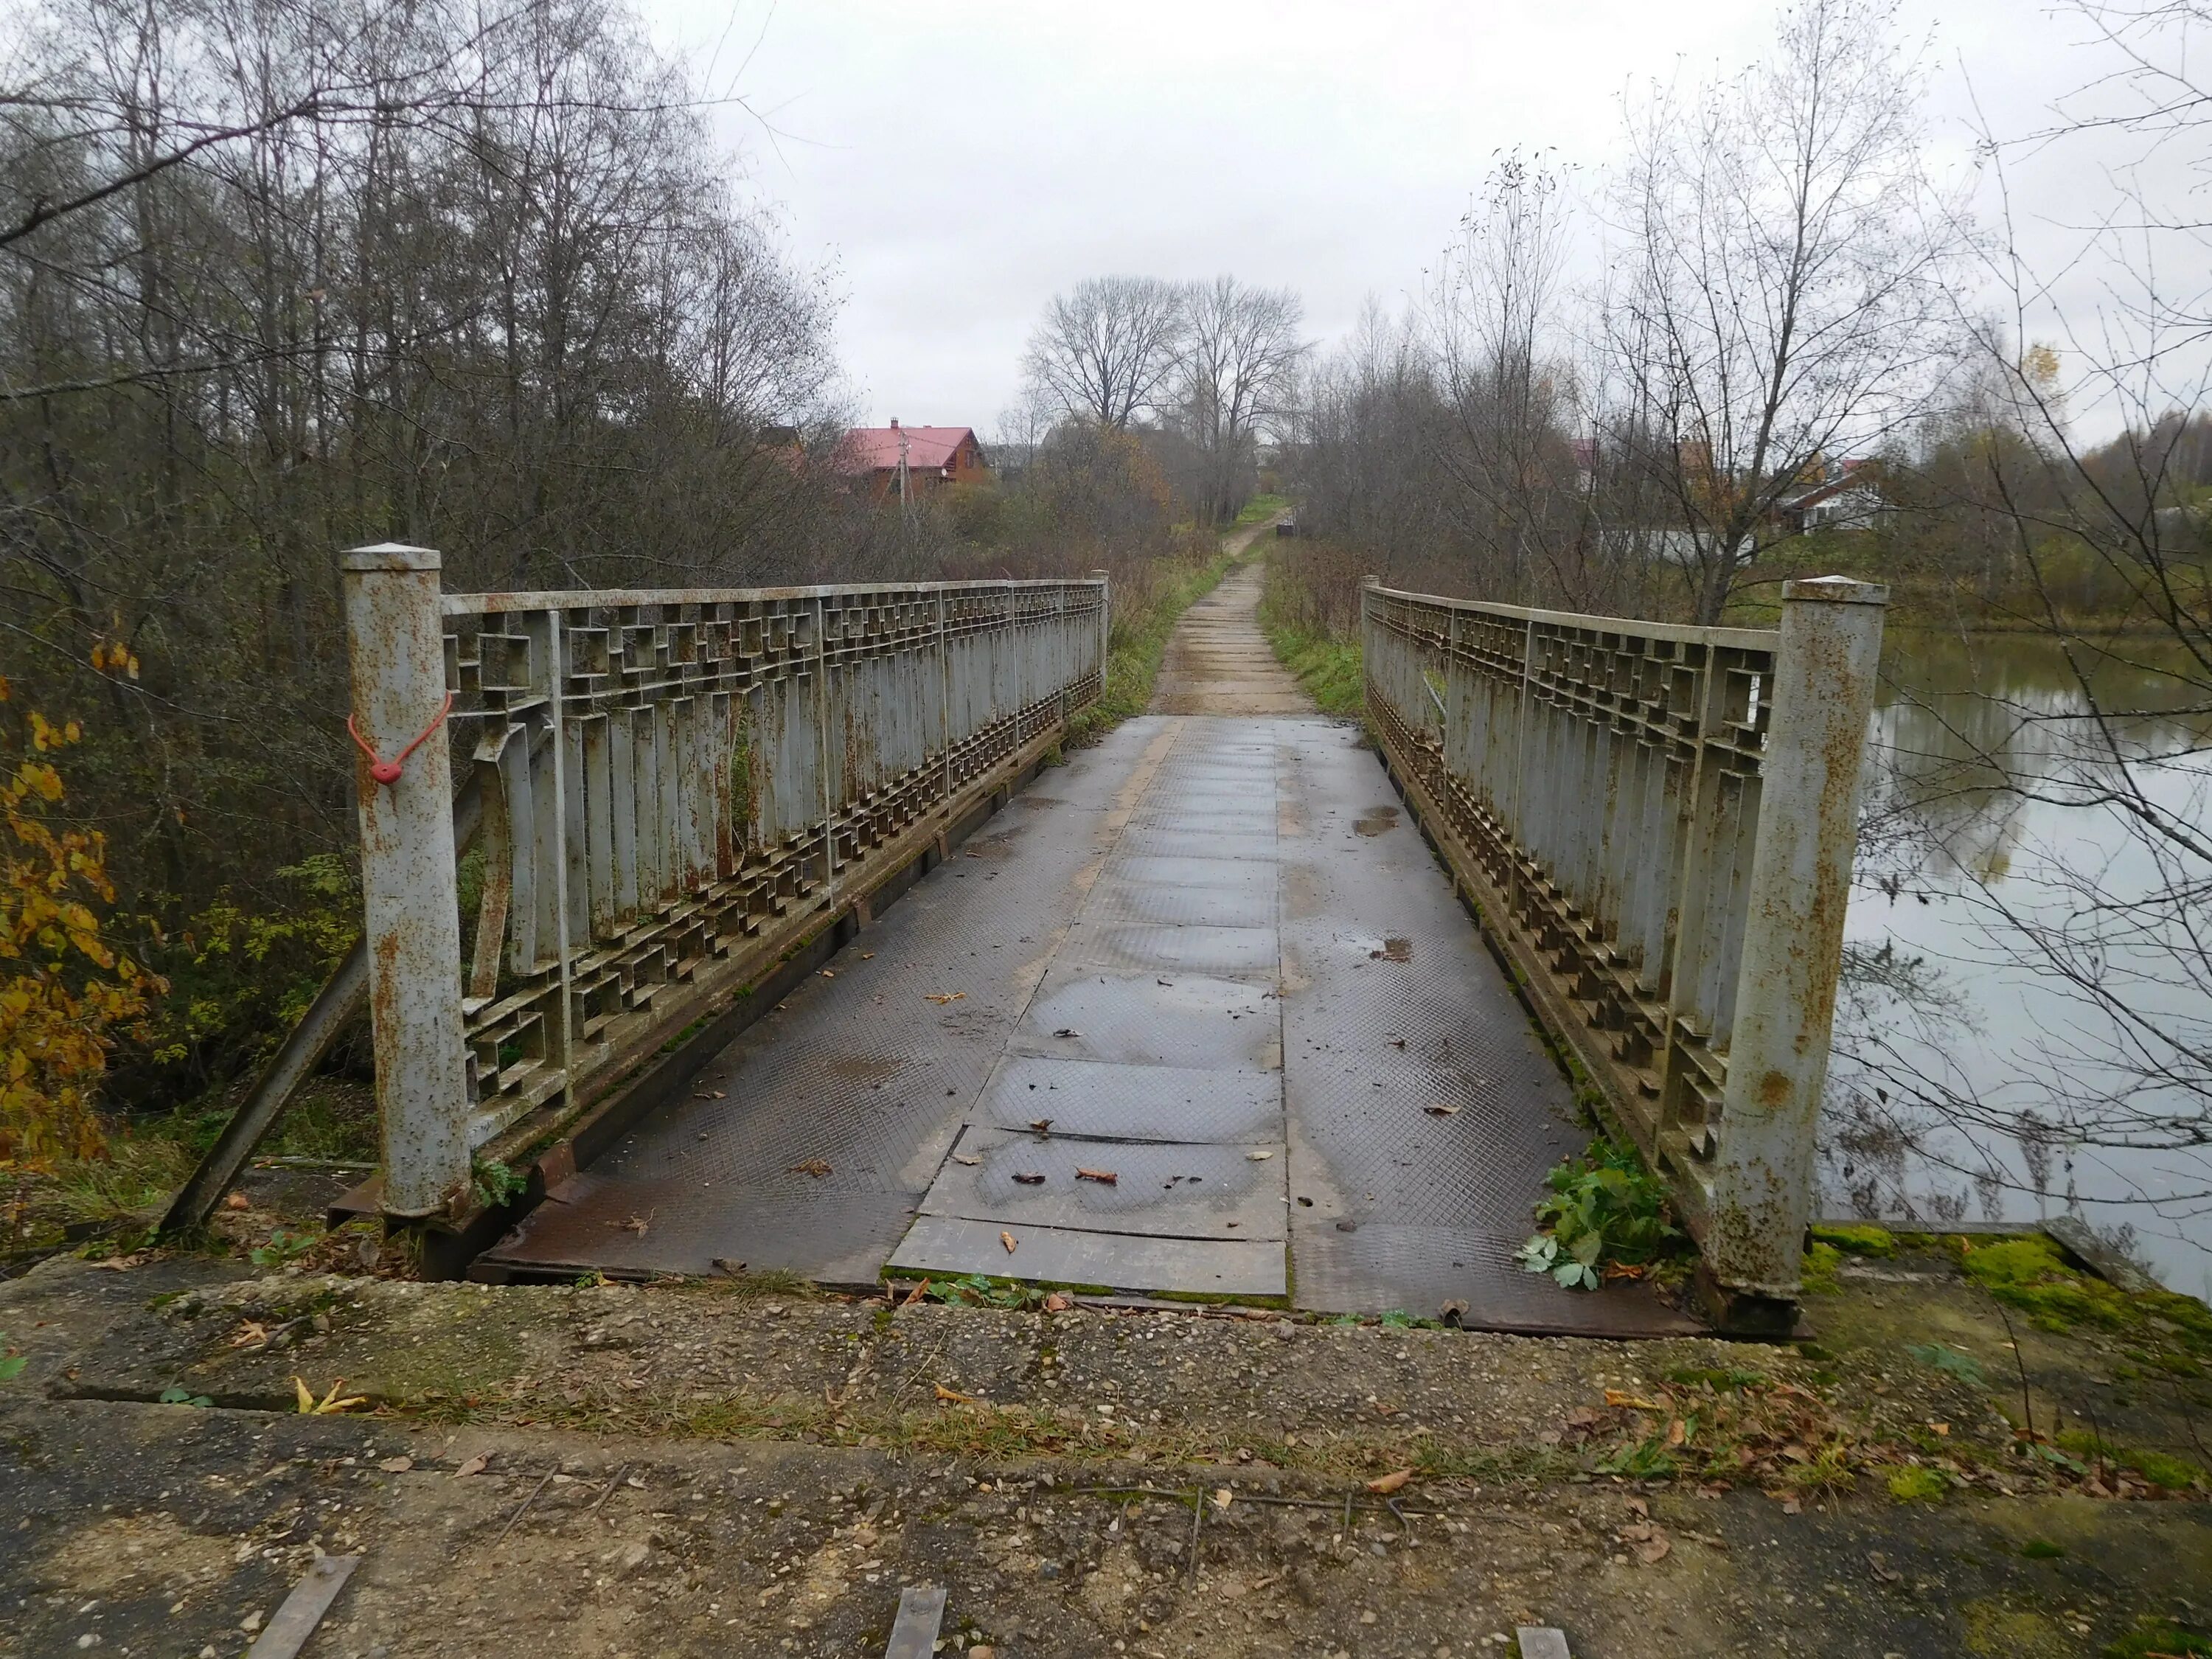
<point>739,1469</point>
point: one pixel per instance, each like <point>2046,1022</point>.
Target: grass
<point>1329,670</point>
<point>1261,508</point>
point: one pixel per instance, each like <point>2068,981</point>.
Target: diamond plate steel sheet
<point>1139,1020</point>
<point>1137,948</point>
<point>944,1246</point>
<point>1100,1101</point>
<point>1175,1191</point>
<point>853,1088</point>
<point>1421,1098</point>
<point>1419,1270</point>
<point>1215,846</point>
<point>627,1228</point>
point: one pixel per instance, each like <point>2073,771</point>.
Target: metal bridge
<point>1202,1009</point>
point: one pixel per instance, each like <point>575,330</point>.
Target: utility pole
<point>906,519</point>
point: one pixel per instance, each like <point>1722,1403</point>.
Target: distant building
<point>930,457</point>
<point>1849,498</point>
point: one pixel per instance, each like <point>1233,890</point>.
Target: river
<point>2026,1022</point>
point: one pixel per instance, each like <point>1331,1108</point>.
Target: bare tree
<point>1104,351</point>
<point>1491,305</point>
<point>1783,300</point>
<point>280,277</point>
<point>1240,349</point>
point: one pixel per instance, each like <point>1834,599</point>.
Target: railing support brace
<point>1761,1174</point>
<point>395,642</point>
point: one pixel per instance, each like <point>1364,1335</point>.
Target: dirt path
<point>1217,660</point>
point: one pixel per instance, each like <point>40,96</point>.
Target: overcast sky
<point>958,164</point>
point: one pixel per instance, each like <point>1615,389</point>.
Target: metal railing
<point>1657,824</point>
<point>677,788</point>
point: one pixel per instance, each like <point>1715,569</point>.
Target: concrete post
<point>1801,876</point>
<point>395,641</point>
<point>1105,626</point>
<point>1368,584</point>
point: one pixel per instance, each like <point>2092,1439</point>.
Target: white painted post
<point>395,641</point>
<point>1801,876</point>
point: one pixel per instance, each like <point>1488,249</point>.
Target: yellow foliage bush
<point>63,988</point>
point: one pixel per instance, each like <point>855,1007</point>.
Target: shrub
<point>65,991</point>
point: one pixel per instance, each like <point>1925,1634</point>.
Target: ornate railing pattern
<point>676,785</point>
<point>1656,823</point>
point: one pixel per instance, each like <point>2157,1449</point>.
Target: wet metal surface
<point>1395,1007</point>
<point>1220,966</point>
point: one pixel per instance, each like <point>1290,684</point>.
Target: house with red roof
<point>931,458</point>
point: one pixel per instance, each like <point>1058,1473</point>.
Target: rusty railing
<point>1657,824</point>
<point>678,788</point>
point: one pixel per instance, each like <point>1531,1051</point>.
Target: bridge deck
<point>1208,959</point>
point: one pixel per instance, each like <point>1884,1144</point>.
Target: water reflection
<point>2026,1023</point>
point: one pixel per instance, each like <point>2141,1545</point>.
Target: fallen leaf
<point>867,955</point>
<point>813,1166</point>
<point>709,1094</point>
<point>1791,1506</point>
<point>915,1294</point>
<point>1067,1031</point>
<point>724,1264</point>
<point>1029,1178</point>
<point>953,1397</point>
<point>1677,1431</point>
<point>636,1223</point>
<point>829,973</point>
<point>1104,1177</point>
<point>1653,1550</point>
<point>1638,1508</point>
<point>238,1201</point>
<point>1882,1569</point>
<point>1630,1403</point>
<point>1941,1428</point>
<point>397,1465</point>
<point>963,1157</point>
<point>1440,1110</point>
<point>1260,1157</point>
<point>1055,1303</point>
<point>330,1403</point>
<point>250,1332</point>
<point>1223,1497</point>
<point>940,998</point>
<point>476,1465</point>
<point>1007,1239</point>
<point>1042,1125</point>
<point>1386,1484</point>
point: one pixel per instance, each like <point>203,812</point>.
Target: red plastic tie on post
<point>387,772</point>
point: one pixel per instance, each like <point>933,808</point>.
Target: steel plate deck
<point>1213,938</point>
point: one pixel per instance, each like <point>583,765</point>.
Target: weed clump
<point>1606,1215</point>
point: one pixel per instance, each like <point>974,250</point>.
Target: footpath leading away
<point>740,1464</point>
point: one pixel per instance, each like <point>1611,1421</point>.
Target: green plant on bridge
<point>1604,1210</point>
